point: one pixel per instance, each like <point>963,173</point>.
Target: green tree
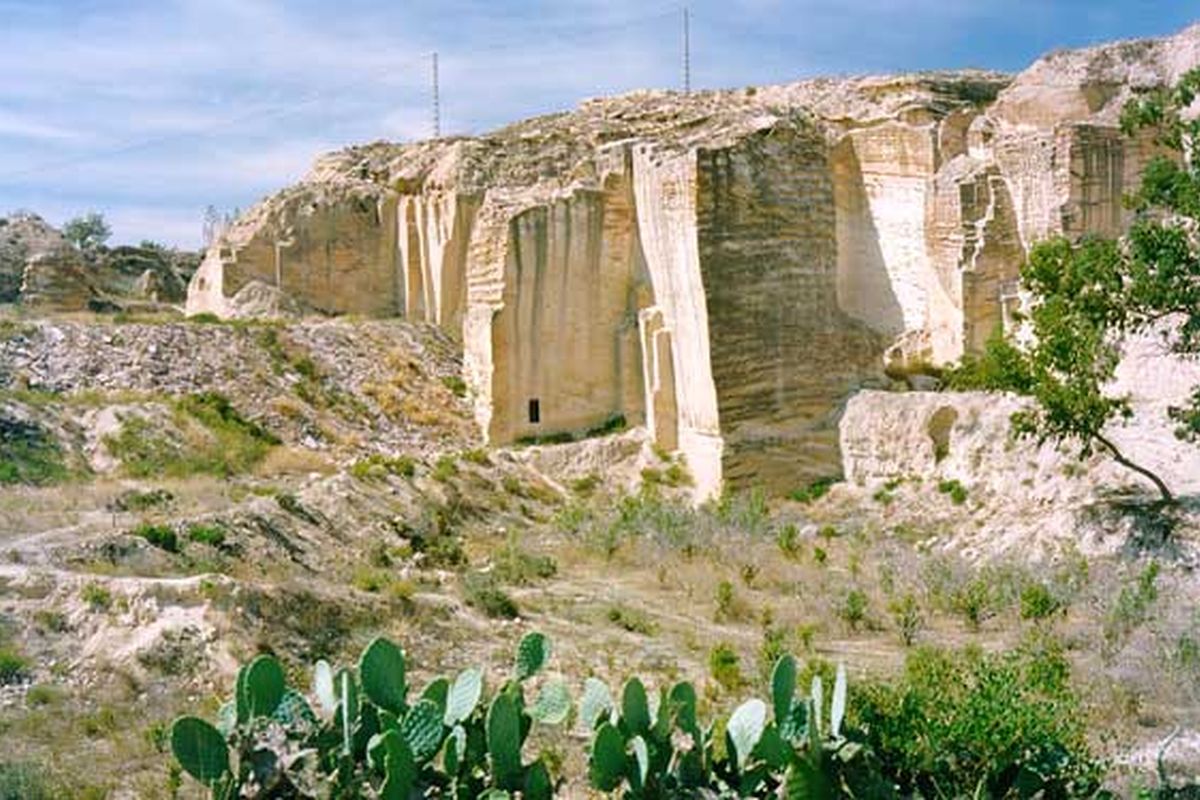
<point>87,232</point>
<point>1090,295</point>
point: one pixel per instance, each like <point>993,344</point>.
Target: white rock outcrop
<point>725,268</point>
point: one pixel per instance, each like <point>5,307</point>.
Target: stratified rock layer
<point>725,268</point>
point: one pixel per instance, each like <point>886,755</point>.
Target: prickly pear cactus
<point>200,749</point>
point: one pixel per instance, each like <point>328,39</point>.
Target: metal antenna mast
<point>687,52</point>
<point>437,100</point>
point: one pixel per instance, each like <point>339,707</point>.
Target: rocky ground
<point>182,495</point>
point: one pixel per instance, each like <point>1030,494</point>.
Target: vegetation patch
<point>29,454</point>
<point>161,536</point>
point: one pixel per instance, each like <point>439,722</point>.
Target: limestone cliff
<point>722,267</point>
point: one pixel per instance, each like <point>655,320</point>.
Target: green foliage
<point>450,742</point>
<point>814,491</point>
<point>482,591</point>
<point>87,232</point>
<point>233,445</point>
<point>29,454</point>
<point>853,609</point>
<point>1132,606</point>
<point>969,724</point>
<point>906,613</point>
<point>379,467</point>
<point>1092,294</point>
<point>97,597</point>
<point>209,533</point>
<point>957,492</point>
<point>724,666</point>
<point>445,468</point>
<point>632,620</point>
<point>456,385</point>
<point>14,667</point>
<point>1038,602</point>
<point>161,536</point>
<point>514,565</point>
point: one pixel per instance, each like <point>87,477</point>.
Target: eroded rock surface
<point>725,268</point>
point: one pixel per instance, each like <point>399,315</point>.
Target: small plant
<point>161,536</point>
<point>853,610</point>
<point>456,385</point>
<point>1132,606</point>
<point>209,533</point>
<point>482,592</point>
<point>724,666</point>
<point>1038,602</point>
<point>814,491</point>
<point>632,620</point>
<point>587,485</point>
<point>97,597</point>
<point>514,565</point>
<point>379,467</point>
<point>478,456</point>
<point>730,607</point>
<point>445,468</point>
<point>906,613</point>
<point>788,541</point>
<point>14,667</point>
<point>820,556</point>
<point>957,492</point>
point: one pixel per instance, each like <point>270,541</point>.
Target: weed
<point>51,621</point>
<point>1038,602</point>
<point>1132,607</point>
<point>97,597</point>
<point>853,610</point>
<point>456,385</point>
<point>478,456</point>
<point>632,620</point>
<point>788,541</point>
<point>445,469</point>
<point>135,500</point>
<point>814,491</point>
<point>724,667</point>
<point>29,454</point>
<point>957,492</point>
<point>513,565</point>
<point>161,536</point>
<point>585,486</point>
<point>482,592</point>
<point>906,613</point>
<point>14,667</point>
<point>209,533</point>
<point>378,467</point>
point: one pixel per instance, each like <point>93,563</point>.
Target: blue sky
<point>149,111</point>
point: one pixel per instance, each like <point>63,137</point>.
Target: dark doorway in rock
<point>535,411</point>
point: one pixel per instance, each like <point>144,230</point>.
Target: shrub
<point>586,485</point>
<point>445,469</point>
<point>378,467</point>
<point>957,492</point>
<point>853,610</point>
<point>724,667</point>
<point>209,533</point>
<point>906,612</point>
<point>968,724</point>
<point>456,385</point>
<point>97,597</point>
<point>29,454</point>
<point>788,541</point>
<point>161,536</point>
<point>1132,606</point>
<point>814,491</point>
<point>1038,602</point>
<point>632,620</point>
<point>134,500</point>
<point>516,566</point>
<point>14,667</point>
<point>483,593</point>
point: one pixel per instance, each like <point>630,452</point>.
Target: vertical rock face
<point>725,268</point>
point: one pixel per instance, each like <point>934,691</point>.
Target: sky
<point>150,111</point>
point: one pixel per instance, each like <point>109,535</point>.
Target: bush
<point>14,667</point>
<point>906,612</point>
<point>483,593</point>
<point>724,667</point>
<point>853,610</point>
<point>1038,602</point>
<point>957,492</point>
<point>378,467</point>
<point>814,491</point>
<point>969,724</point>
<point>209,533</point>
<point>161,536</point>
<point>29,454</point>
<point>514,565</point>
<point>98,597</point>
<point>632,620</point>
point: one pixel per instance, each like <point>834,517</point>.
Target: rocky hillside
<point>40,269</point>
<point>725,267</point>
